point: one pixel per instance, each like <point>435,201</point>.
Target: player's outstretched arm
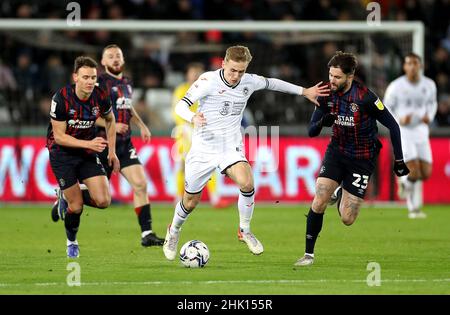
<point>312,93</point>
<point>400,168</point>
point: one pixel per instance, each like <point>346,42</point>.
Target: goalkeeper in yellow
<point>182,134</point>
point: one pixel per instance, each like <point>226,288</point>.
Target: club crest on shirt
<point>245,91</point>
<point>94,111</point>
<point>354,107</point>
<point>225,110</point>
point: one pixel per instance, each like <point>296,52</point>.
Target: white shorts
<point>200,166</point>
<point>416,150</point>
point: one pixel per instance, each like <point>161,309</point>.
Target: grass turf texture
<point>413,254</point>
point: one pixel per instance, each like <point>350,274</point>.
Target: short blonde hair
<point>238,54</point>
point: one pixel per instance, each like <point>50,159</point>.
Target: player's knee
<point>140,187</point>
<point>247,186</point>
<point>190,204</point>
<point>426,175</point>
<point>415,175</point>
<point>103,202</point>
<point>319,205</point>
<point>75,207</point>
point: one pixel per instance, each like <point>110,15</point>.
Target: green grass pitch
<point>413,255</point>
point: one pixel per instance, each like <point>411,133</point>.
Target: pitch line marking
<point>151,283</point>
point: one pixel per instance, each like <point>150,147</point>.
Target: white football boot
<point>171,244</point>
<point>252,242</point>
<point>306,260</point>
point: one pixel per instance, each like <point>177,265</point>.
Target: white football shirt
<point>223,106</point>
<point>404,97</point>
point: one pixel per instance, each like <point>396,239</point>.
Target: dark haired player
<point>73,146</point>
<point>353,110</point>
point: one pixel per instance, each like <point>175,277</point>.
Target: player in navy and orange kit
<point>353,110</point>
<point>73,146</point>
<point>119,88</point>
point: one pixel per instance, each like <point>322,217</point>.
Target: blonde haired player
<point>412,100</point>
<point>217,138</point>
<point>183,133</point>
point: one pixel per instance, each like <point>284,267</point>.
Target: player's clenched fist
<point>199,120</point>
<point>98,144</point>
<point>400,168</point>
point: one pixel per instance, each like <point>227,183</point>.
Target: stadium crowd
<point>33,67</point>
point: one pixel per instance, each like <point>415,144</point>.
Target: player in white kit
<point>217,139</point>
<point>412,100</point>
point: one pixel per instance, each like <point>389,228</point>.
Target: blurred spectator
<point>180,10</point>
<point>443,112</point>
<point>42,115</point>
<point>54,76</point>
<point>8,89</point>
<point>153,10</point>
<point>26,74</point>
<point>158,56</point>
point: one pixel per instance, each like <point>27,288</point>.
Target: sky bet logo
<point>81,124</point>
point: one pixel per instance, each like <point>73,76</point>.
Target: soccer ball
<point>194,254</point>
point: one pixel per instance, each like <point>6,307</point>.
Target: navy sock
<point>144,217</point>
<point>72,223</point>
<point>313,227</point>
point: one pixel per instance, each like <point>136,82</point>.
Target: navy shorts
<point>69,169</point>
<point>354,174</point>
<point>126,153</point>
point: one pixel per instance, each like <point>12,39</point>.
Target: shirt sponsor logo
<point>123,103</point>
<point>81,124</point>
<point>346,121</point>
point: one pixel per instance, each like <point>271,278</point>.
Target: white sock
<point>417,198</point>
<point>145,233</point>
<point>408,185</point>
<point>180,215</point>
<point>70,242</point>
<point>409,194</point>
<point>246,204</point>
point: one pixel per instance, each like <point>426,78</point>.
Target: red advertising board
<point>284,170</point>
